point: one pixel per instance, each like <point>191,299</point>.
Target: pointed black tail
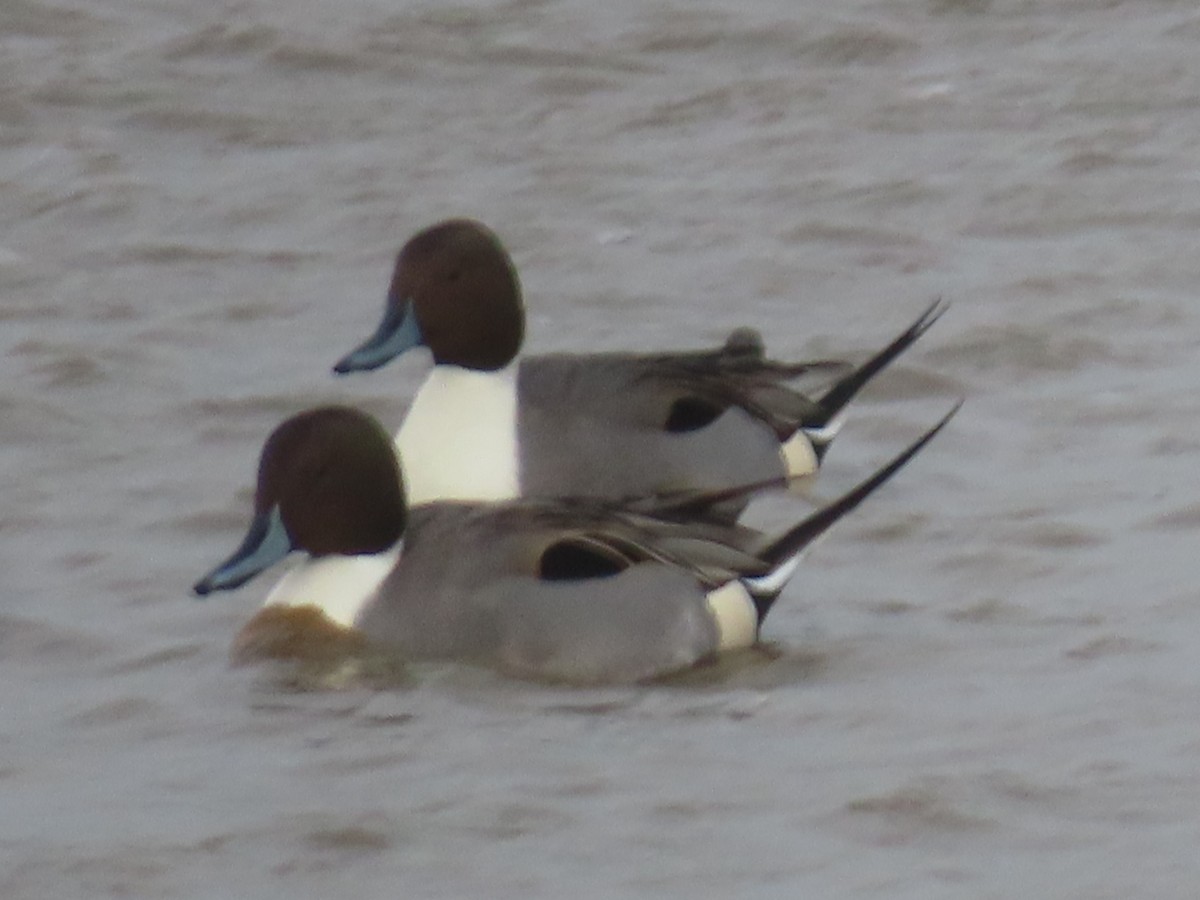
<point>845,388</point>
<point>783,553</point>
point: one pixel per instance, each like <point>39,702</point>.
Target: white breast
<point>459,440</point>
<point>340,586</point>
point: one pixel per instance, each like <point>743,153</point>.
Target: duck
<point>489,423</point>
<point>570,590</point>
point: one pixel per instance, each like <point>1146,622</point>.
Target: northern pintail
<point>488,424</point>
<point>579,590</point>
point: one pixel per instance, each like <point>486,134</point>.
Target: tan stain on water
<point>295,633</point>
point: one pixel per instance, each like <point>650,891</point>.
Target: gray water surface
<point>984,684</point>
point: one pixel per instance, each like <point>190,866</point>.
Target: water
<point>983,684</point>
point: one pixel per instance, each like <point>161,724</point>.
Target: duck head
<point>328,483</point>
<point>454,290</point>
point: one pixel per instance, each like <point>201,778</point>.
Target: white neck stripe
<point>339,586</point>
<point>459,440</point>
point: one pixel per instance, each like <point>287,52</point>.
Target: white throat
<point>459,440</point>
<point>339,586</point>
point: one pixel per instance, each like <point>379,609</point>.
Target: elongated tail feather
<point>822,429</point>
<point>783,553</point>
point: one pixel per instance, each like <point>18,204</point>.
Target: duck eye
<point>321,474</point>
